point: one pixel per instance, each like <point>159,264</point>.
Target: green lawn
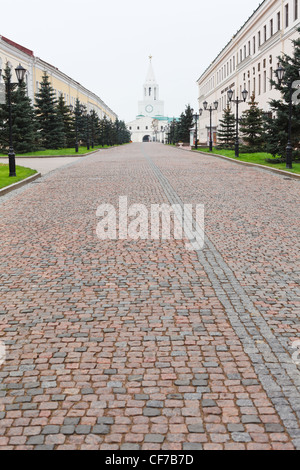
<point>258,158</point>
<point>53,153</point>
<point>21,172</point>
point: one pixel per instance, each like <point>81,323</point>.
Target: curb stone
<point>240,162</point>
<point>19,184</point>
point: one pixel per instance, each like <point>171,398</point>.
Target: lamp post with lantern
<point>76,112</point>
<point>210,110</point>
<point>237,101</point>
<point>280,74</point>
<point>20,73</point>
<point>86,115</point>
<point>196,118</point>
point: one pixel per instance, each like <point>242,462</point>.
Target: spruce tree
<point>174,132</point>
<point>185,124</point>
<point>277,126</point>
<point>50,122</point>
<point>68,122</point>
<point>252,126</point>
<point>24,128</point>
<point>106,131</point>
<point>78,124</point>
<point>227,129</point>
<point>95,127</point>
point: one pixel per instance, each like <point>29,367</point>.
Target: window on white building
<point>287,15</point>
<point>296,10</point>
<point>271,28</point>
<point>278,21</point>
<point>271,78</point>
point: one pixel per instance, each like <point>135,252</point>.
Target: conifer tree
<point>78,122</point>
<point>252,126</point>
<point>227,129</point>
<point>106,131</point>
<point>68,121</point>
<point>185,125</point>
<point>50,122</point>
<point>174,132</point>
<point>277,126</point>
<point>24,128</point>
<point>95,127</point>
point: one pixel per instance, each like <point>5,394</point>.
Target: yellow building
<point>15,54</point>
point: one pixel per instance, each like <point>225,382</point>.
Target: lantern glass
<point>20,72</point>
<point>200,112</point>
<point>230,95</point>
<point>205,104</point>
<point>245,94</point>
<point>216,105</point>
<point>280,72</point>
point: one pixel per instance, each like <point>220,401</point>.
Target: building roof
<point>17,46</point>
<point>233,38</point>
<point>47,66</point>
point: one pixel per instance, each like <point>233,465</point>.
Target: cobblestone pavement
<point>142,344</point>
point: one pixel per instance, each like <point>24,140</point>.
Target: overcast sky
<point>105,44</point>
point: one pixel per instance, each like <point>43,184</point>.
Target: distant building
<point>249,61</point>
<point>150,124</point>
<point>13,54</point>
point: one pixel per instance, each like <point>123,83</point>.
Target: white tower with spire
<point>151,106</point>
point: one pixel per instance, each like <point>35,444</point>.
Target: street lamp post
<point>210,110</point>
<point>167,130</point>
<point>237,101</point>
<point>85,114</point>
<point>196,117</point>
<point>20,73</point>
<point>76,127</point>
<point>92,119</point>
<point>280,74</point>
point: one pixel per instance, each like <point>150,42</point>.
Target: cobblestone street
<point>129,345</point>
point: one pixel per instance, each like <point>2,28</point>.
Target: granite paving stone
<point>131,344</point>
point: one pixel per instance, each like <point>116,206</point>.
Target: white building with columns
<point>249,61</point>
<point>150,124</point>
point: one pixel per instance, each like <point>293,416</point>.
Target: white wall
<point>245,65</point>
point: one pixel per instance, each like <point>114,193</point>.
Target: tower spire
<point>150,75</point>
